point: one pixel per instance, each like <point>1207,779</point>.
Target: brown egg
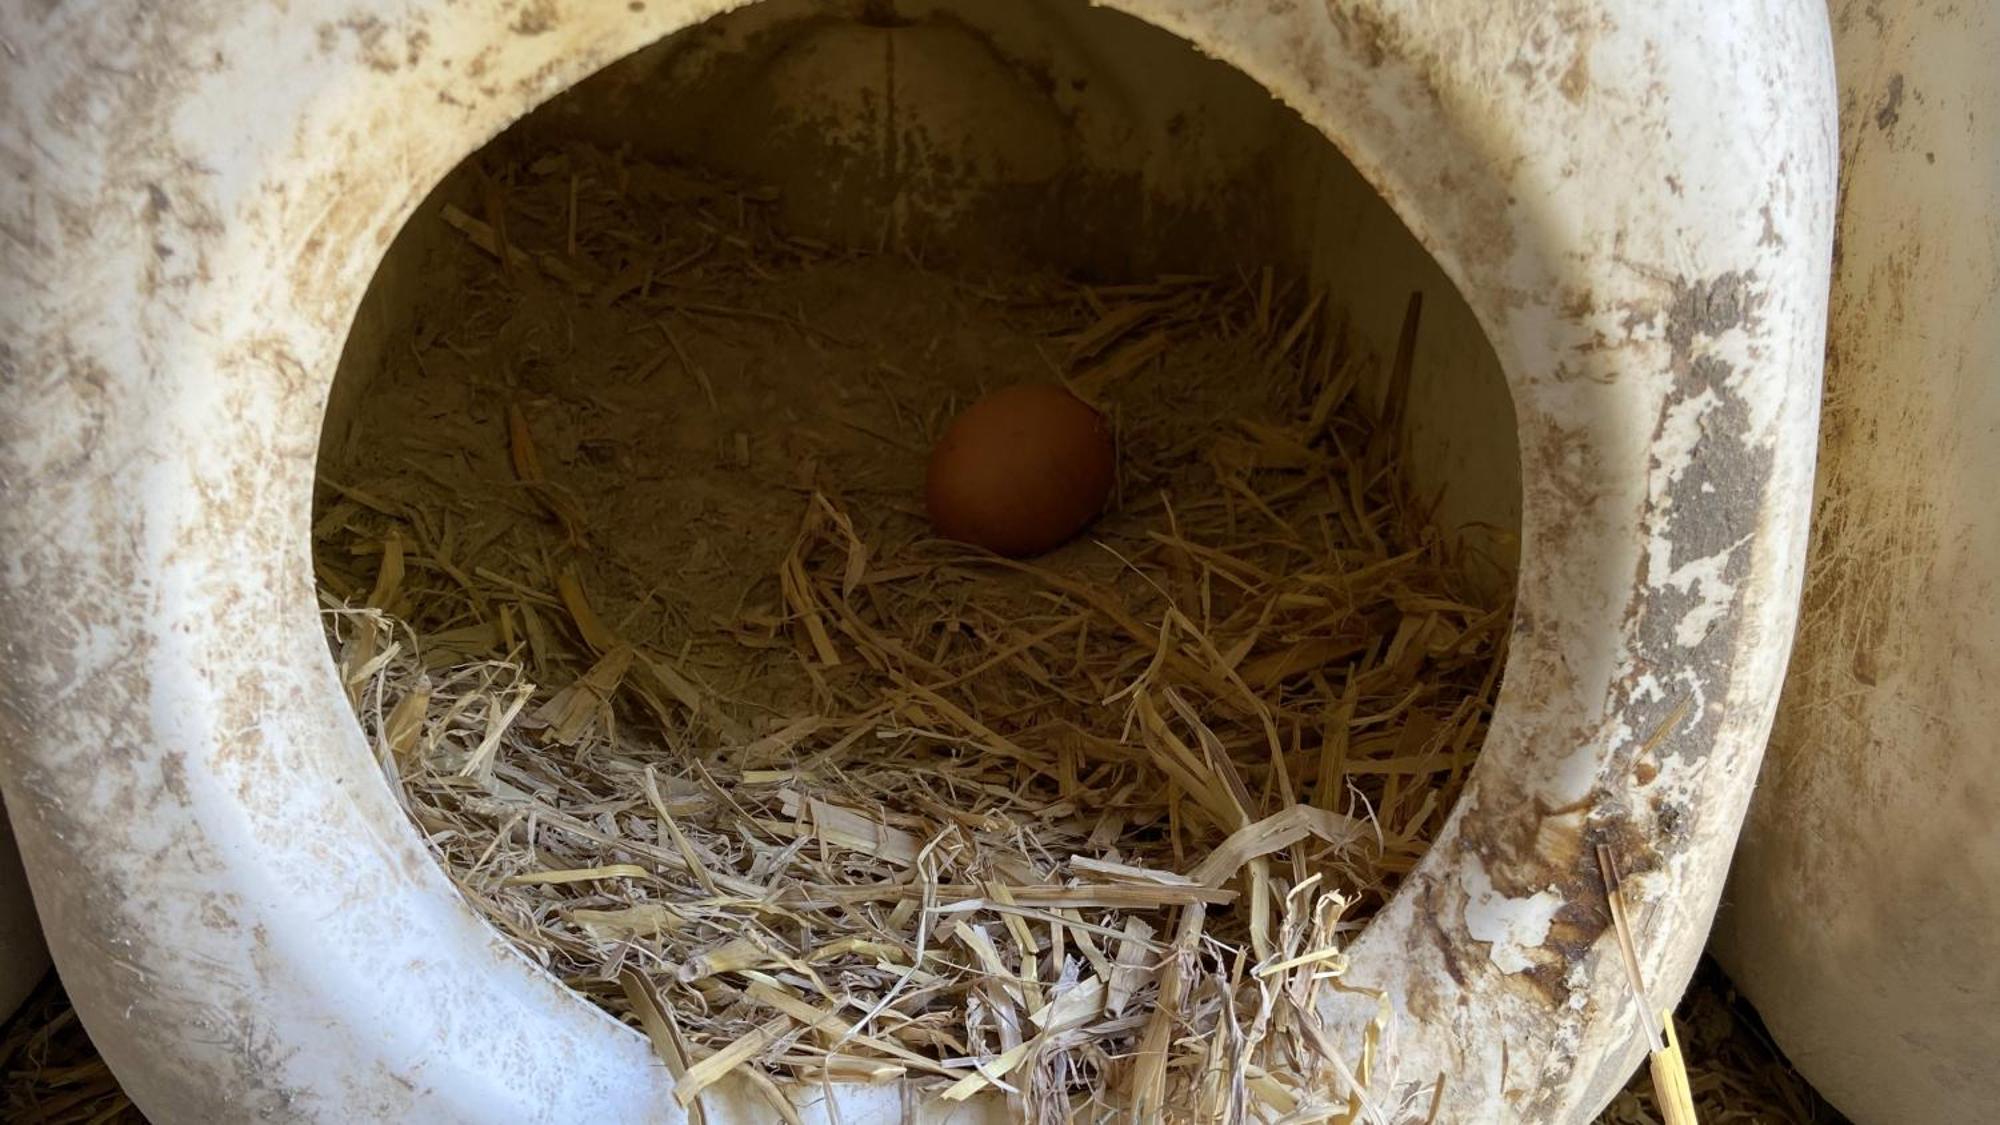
<point>1021,471</point>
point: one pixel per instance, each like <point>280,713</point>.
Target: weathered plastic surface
<point>1636,200</point>
<point>1865,916</point>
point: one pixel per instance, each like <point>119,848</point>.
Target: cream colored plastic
<point>1865,916</point>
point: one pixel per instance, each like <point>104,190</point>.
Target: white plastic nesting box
<point>1620,210</point>
<point>1864,916</point>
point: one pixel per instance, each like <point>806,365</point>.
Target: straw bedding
<point>627,577</point>
<point>51,1075</point>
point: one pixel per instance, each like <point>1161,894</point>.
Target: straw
<point>808,795</point>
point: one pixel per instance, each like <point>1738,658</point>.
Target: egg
<point>1021,471</point>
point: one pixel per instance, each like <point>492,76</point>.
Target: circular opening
<point>636,578</point>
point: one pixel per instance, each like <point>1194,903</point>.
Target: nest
<point>693,709</point>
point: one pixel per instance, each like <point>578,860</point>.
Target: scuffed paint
<point>1510,926</point>
<point>1714,595</point>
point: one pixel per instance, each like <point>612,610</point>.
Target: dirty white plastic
<point>1865,916</point>
<point>1634,198</point>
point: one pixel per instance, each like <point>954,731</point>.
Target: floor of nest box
<point>627,573</point>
